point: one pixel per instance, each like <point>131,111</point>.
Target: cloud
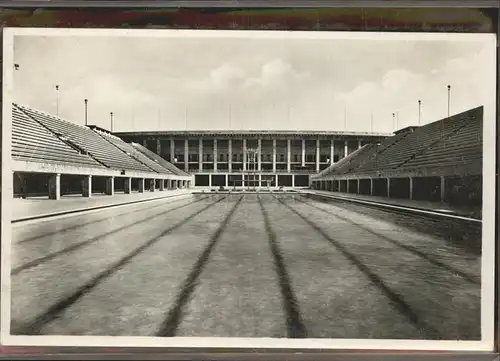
<point>400,89</point>
<point>231,78</point>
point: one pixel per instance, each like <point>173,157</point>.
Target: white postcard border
<point>488,245</point>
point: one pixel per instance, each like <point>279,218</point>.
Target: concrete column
<point>259,161</point>
<point>288,155</point>
<point>110,186</point>
<point>357,191</point>
<point>172,150</point>
<point>371,186</point>
<point>186,155</point>
<point>274,155</point>
<point>410,195</point>
<point>359,144</point>
<point>55,187</point>
<point>152,185</point>
<point>141,185</point>
<point>276,181</point>
<point>162,184</point>
<point>127,185</point>
<point>215,155</point>
<point>303,155</point>
<point>145,143</point>
<point>87,186</point>
<point>443,188</point>
<point>227,181</point>
<point>332,151</point>
<point>317,155</point>
<point>158,146</point>
<point>347,186</point>
<point>200,155</point>
<point>293,180</point>
<point>244,154</point>
<point>209,180</point>
<point>260,180</point>
<point>346,148</point>
<point>230,155</point>
<point>388,187</point>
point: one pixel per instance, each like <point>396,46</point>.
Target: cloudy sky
<point>200,83</point>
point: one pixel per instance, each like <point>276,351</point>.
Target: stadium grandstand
<point>440,161</point>
<point>55,157</point>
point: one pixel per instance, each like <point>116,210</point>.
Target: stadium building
<point>231,158</point>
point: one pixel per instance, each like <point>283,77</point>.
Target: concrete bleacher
<point>464,146</point>
<point>32,142</point>
<point>86,139</point>
<point>132,152</point>
<point>46,148</point>
<point>338,166</point>
<point>441,160</point>
<point>159,159</point>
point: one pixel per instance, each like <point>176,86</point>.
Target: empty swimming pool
<point>242,265</point>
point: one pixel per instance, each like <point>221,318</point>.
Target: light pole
<point>394,121</point>
<point>57,100</point>
<point>111,115</point>
<point>86,103</point>
<point>419,111</point>
<point>449,99</point>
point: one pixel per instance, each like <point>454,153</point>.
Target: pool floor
<point>241,266</point>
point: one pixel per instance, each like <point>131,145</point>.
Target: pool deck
<point>23,209</point>
<point>463,211</point>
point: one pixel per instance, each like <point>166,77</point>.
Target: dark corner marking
<point>466,276</point>
<point>79,245</point>
<point>53,312</point>
<point>396,299</point>
<point>294,323</point>
<point>173,319</point>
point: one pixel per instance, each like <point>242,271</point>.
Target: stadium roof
<point>236,133</point>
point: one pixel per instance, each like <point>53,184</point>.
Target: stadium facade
<point>252,158</point>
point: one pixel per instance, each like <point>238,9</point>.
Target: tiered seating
<point>132,152</point>
<point>370,163</point>
<point>98,147</point>
<point>333,169</point>
<point>463,147</point>
<point>159,160</point>
<point>362,156</point>
<point>416,141</point>
<point>32,142</point>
